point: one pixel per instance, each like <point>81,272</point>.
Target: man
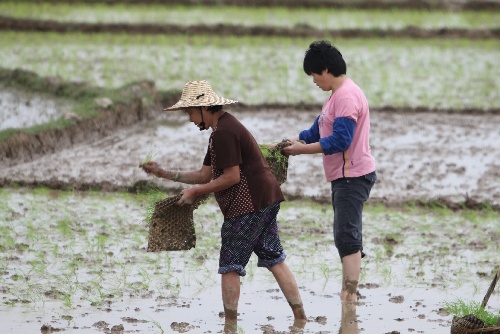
<point>341,134</point>
<point>248,195</point>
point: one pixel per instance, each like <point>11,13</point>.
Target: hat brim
<point>207,102</point>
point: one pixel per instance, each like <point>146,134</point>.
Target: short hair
<point>322,55</point>
<point>214,109</point>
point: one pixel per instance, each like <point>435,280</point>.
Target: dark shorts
<point>348,198</point>
<point>255,232</point>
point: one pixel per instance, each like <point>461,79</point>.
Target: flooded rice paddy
<point>77,262</point>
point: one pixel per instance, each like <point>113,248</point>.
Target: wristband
<point>177,176</point>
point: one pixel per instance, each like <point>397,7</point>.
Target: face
<point>194,115</point>
<point>322,80</point>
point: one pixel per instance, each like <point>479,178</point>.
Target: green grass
<point>153,195</point>
<point>319,18</point>
<point>448,74</point>
<point>461,308</point>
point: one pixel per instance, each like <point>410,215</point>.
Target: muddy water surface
<point>418,155</point>
<point>77,262</point>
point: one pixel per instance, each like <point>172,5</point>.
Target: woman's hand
<point>187,196</point>
<point>295,148</point>
<point>152,167</point>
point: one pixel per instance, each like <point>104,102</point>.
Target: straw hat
<point>198,94</point>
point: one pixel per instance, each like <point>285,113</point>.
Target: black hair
<point>320,56</point>
<point>214,109</point>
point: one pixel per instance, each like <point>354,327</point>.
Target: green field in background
<point>448,74</point>
<point>319,18</point>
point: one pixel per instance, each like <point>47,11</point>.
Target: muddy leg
<point>288,286</point>
<point>230,283</point>
<point>351,268</point>
<point>349,321</point>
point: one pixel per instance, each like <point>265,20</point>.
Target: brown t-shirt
<point>232,144</point>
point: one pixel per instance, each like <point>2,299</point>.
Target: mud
<point>64,280</point>
<point>429,157</point>
<point>436,159</point>
<point>450,159</point>
<point>15,24</point>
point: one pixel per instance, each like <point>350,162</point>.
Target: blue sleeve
<point>311,135</point>
<point>341,138</point>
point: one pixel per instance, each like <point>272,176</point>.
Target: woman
<point>341,133</point>
<point>248,195</point>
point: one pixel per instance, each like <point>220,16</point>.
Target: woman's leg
<point>351,269</point>
<point>288,286</point>
<point>230,283</point>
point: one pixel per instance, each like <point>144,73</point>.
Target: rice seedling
<point>157,325</point>
<point>326,270</point>
<point>64,227</point>
<point>153,195</point>
<point>7,238</point>
<point>87,279</point>
<point>67,300</point>
<point>153,152</point>
<point>145,279</point>
<point>277,161</point>
<point>460,308</point>
<point>173,285</point>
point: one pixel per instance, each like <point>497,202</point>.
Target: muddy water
<point>406,277</point>
<point>55,271</point>
<point>262,310</point>
<point>20,109</point>
<point>418,155</point>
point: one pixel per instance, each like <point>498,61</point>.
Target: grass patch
<point>461,308</point>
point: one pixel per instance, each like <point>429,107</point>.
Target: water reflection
<point>349,319</point>
<point>231,327</point>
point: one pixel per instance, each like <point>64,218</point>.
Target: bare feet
<point>297,327</point>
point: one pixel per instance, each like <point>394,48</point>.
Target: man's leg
<point>351,269</point>
<point>230,283</point>
<point>288,286</point>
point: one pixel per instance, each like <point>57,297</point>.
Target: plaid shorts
<point>254,232</point>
